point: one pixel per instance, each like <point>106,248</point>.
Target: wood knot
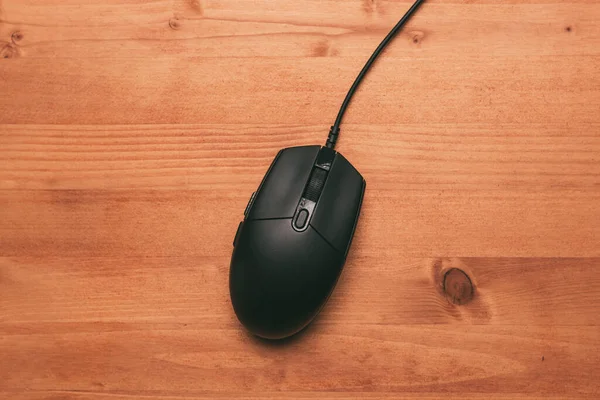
<point>323,49</point>
<point>568,29</point>
<point>16,37</point>
<point>174,23</point>
<point>416,37</point>
<point>369,6</point>
<point>8,50</point>
<point>372,6</point>
<point>196,6</point>
<point>458,287</point>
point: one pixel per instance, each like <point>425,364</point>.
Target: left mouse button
<point>278,194</point>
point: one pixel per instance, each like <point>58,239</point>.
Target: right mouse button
<point>338,207</point>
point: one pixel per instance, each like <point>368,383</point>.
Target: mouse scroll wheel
<point>315,184</point>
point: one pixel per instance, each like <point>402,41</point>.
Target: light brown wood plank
<point>74,395</point>
<point>307,29</point>
<point>551,158</point>
<point>502,71</point>
<point>402,360</point>
<point>523,90</point>
<point>190,288</point>
<point>170,321</point>
<point>201,223</point>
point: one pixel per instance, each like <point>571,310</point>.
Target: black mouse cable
<point>335,129</point>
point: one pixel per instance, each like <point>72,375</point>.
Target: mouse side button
<point>337,211</point>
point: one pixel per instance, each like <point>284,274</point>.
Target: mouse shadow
<point>278,343</point>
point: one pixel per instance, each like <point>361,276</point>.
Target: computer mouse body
<point>291,247</point>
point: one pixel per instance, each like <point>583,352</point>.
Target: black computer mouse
<point>291,247</point>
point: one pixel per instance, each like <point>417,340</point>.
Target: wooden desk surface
<point>133,133</point>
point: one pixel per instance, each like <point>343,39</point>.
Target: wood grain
<point>132,134</point>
